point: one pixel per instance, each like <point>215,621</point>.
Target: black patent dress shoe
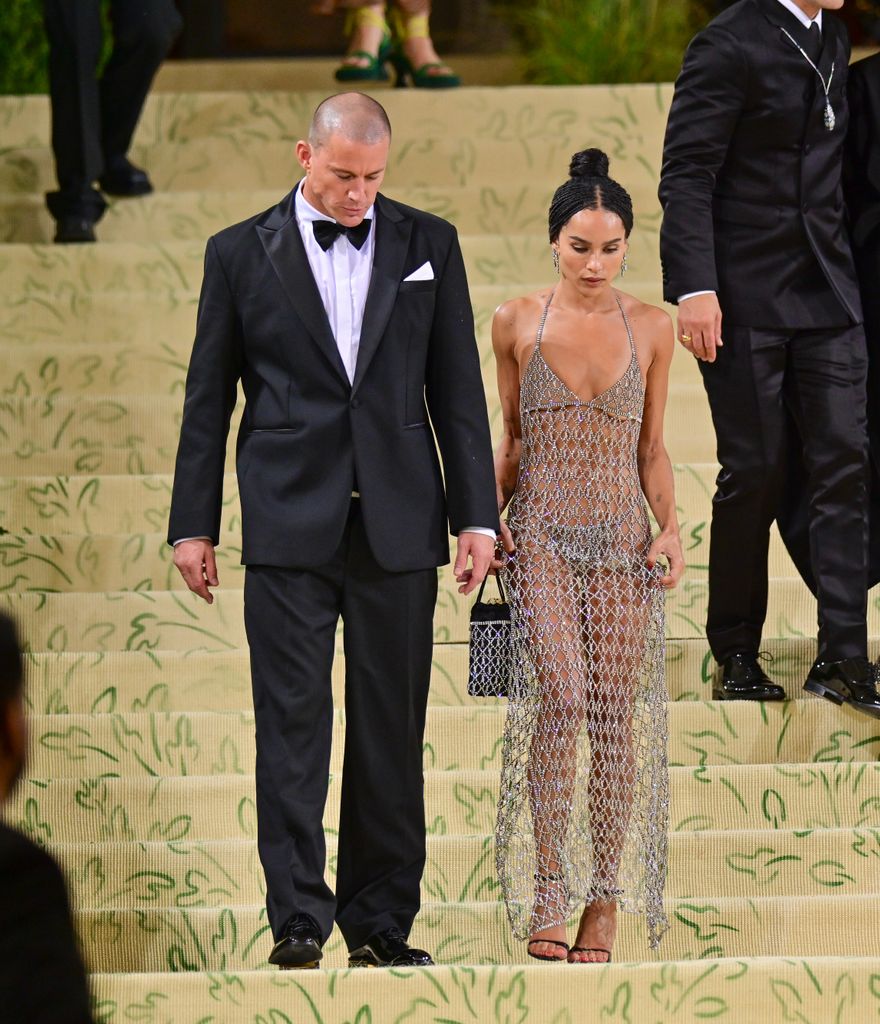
<point>72,230</point>
<point>122,178</point>
<point>852,681</point>
<point>388,949</point>
<point>740,677</point>
<point>299,948</point>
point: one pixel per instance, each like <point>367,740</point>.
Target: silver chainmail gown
<point>583,808</point>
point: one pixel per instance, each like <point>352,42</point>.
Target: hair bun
<point>589,163</point>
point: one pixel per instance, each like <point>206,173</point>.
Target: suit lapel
<point>284,247</point>
<point>392,244</point>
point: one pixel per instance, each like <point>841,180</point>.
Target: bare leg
<point>616,612</point>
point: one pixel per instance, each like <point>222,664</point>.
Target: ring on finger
<point>685,338</point>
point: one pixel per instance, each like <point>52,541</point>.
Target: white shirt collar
<point>790,5</point>
<point>306,213</point>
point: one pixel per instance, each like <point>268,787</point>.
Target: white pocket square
<point>424,273</point>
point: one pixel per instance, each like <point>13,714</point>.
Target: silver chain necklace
<point>829,119</point>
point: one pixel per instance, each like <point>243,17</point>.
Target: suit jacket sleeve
<point>457,402</point>
<point>211,390</point>
<point>42,977</point>
<point>709,97</point>
<point>862,159</point>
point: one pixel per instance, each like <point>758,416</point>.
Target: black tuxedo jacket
<point>307,435</point>
<point>750,183</point>
<point>42,979</point>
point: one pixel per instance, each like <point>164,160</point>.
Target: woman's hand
<point>504,546</point>
<point>668,546</point>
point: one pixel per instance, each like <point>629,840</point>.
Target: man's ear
<point>13,743</point>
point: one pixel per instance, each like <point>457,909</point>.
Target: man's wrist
<point>183,540</point>
<point>693,295</point>
<point>484,530</point>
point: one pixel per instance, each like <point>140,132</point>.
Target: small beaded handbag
<point>490,656</point>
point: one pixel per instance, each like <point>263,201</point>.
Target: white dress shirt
<point>789,5</point>
<point>342,275</point>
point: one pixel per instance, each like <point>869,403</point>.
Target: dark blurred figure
<point>93,120</point>
<point>861,182</point>
<point>42,979</point>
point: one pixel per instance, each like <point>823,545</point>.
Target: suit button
<point>807,148</point>
<point>355,402</point>
<point>805,208</point>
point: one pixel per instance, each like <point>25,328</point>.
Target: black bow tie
<point>327,231</point>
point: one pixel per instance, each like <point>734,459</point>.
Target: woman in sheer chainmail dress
<point>582,375</point>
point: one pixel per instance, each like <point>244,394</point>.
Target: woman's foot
<point>415,58</point>
<point>368,45</point>
<point>549,944</point>
<point>596,934</point>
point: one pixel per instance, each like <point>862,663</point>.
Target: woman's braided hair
<point>589,188</point>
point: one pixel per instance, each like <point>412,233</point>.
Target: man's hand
<point>198,566</point>
<point>699,326</point>
<point>479,547</point>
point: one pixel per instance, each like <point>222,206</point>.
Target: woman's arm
<point>655,469</point>
<point>507,453</point>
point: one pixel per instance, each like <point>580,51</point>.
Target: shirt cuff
<point>690,295</point>
<point>180,540</point>
<point>484,530</point>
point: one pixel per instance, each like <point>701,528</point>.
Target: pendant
<point>830,119</point>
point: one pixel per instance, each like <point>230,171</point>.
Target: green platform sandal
<point>372,68</point>
<point>434,74</point>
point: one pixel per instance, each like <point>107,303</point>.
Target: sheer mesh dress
<point>583,808</point>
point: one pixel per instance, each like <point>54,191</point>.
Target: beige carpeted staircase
<point>140,777</point>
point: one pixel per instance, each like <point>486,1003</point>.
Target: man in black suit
<point>93,121</point>
<point>753,228</point>
<point>347,318</point>
<point>42,980</point>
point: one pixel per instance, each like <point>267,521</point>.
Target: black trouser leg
<point>291,617</point>
<point>745,390</point>
<point>388,645</point>
<point>73,28</point>
<point>827,393</point>
<point>142,36</point>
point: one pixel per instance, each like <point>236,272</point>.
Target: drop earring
<point>555,253</point>
<point>623,267</point>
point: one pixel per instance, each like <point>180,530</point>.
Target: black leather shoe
<point>300,946</point>
<point>741,677</point>
<point>70,230</point>
<point>388,949</point>
<point>122,178</point>
<point>851,681</point>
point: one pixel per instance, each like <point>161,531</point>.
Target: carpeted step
<point>143,561</point>
<point>174,808</point>
<point>463,738</point>
<point>492,207</point>
<point>633,113</point>
<point>178,620</point>
<point>86,682</point>
<point>166,268</point>
<point>237,938</point>
<point>773,988</point>
<point>702,865</point>
<point>94,434</point>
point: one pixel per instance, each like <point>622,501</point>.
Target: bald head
<point>352,115</point>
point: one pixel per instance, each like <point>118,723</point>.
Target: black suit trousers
<point>765,385</point>
<point>291,617</point>
<point>94,120</point>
